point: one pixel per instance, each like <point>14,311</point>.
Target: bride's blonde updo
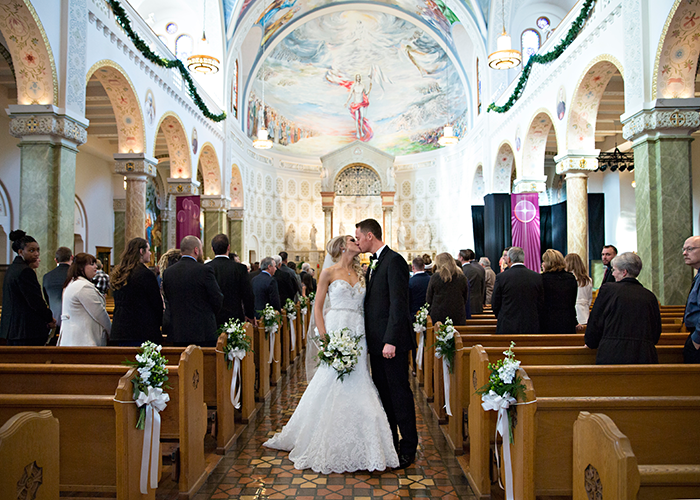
<point>335,249</point>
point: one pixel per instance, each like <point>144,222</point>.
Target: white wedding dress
<point>340,426</point>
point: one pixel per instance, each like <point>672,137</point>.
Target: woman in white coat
<point>84,318</point>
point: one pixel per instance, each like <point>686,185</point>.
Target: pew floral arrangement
<point>445,343</point>
<point>340,350</point>
<point>304,303</point>
<point>291,308</point>
<point>420,325</point>
<point>237,342</point>
<point>148,386</point>
<point>271,318</point>
<point>312,297</point>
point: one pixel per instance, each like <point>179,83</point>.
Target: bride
<point>339,426</point>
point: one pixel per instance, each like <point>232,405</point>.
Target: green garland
<point>574,31</point>
<point>124,22</point>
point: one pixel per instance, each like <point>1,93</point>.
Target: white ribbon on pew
<point>236,355</point>
<point>303,321</point>
<point>272,349</point>
<point>420,330</point>
<point>292,331</point>
<point>493,401</point>
<point>446,378</point>
<point>155,401</point>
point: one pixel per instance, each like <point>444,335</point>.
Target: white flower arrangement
<point>304,303</point>
<point>312,298</point>
<point>291,309</point>
<point>421,322</point>
<point>271,318</point>
<point>373,265</point>
<point>148,386</point>
<point>340,350</point>
<point>445,343</point>
<point>237,343</point>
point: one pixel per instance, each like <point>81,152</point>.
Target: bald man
<point>691,256</point>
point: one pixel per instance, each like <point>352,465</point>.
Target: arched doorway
<point>358,190</point>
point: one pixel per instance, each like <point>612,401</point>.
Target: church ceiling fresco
<point>352,75</point>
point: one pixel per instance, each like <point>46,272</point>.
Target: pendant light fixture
<point>504,57</point>
<point>203,63</point>
<point>262,141</point>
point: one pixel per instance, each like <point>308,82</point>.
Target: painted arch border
<point>662,42</point>
<point>185,145</point>
<point>513,166</point>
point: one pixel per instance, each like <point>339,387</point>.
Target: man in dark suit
<point>307,278</point>
<point>608,254</point>
<point>477,279</point>
<point>233,282</point>
<point>418,286</point>
<point>52,283</point>
<point>390,336</point>
<point>286,279</point>
<point>518,296</point>
<point>265,287</point>
<point>192,298</point>
<point>691,256</point>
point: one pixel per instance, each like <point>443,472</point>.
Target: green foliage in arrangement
<point>124,22</point>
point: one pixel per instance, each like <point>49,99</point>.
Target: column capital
<point>213,203</point>
<point>327,199</point>
<point>388,199</point>
<point>177,186</point>
<point>534,184</point>
<point>135,165</point>
<point>235,213</point>
<point>674,117</point>
<point>47,123</point>
<point>577,161</point>
<point>327,210</point>
<point>119,204</point>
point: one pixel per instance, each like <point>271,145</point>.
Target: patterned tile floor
<point>251,472</point>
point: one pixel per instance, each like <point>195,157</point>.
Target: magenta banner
<point>525,227</point>
<point>187,218</point>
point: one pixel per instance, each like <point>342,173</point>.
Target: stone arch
<point>535,144</point>
<point>80,227</point>
<point>178,146</point>
<point>35,68</point>
<point>478,186</point>
<point>125,103</point>
<point>211,171</point>
<point>677,55</point>
<point>503,168</point>
<point>236,187</point>
<point>580,131</point>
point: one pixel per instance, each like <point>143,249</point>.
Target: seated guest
<point>691,256</point>
<point>84,318</point>
<point>101,279</point>
<point>560,289</point>
<point>584,297</point>
<point>518,297</point>
<point>26,319</point>
<point>625,322</point>
<point>448,292</point>
<point>265,287</point>
<point>489,280</point>
<point>138,305</point>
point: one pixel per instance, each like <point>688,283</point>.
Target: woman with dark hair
<point>138,305</point>
<point>84,319</point>
<point>26,319</point>
<point>448,292</point>
<point>560,290</point>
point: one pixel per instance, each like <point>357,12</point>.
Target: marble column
<point>387,215</point>
<point>235,231</point>
<point>119,205</point>
<point>137,168</point>
<point>327,203</point>
<point>48,142</point>
<point>662,168</point>
<point>178,187</point>
<point>576,165</point>
<point>215,222</point>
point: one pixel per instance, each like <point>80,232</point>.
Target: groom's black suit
<point>388,321</point>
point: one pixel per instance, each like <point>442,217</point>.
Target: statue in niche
<point>391,178</point>
<point>312,236</point>
<point>401,236</point>
<point>289,237</point>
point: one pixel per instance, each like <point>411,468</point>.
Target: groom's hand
<point>389,351</point>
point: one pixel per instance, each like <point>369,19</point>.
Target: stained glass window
<point>530,42</point>
<point>171,28</point>
<point>358,181</point>
<point>183,47</point>
<point>543,23</point>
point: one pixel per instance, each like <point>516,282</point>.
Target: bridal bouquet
<point>445,343</point>
<point>237,343</point>
<point>271,318</point>
<point>340,350</point>
<point>148,386</point>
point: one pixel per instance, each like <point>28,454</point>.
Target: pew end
<point>29,449</point>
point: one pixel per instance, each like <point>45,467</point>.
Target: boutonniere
<point>373,265</point>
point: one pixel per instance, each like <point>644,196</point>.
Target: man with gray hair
<point>691,256</point>
<point>265,287</point>
<point>489,279</point>
<point>518,296</point>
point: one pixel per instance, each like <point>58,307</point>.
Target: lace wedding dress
<point>340,426</point>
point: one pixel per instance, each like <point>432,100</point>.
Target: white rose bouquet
<point>271,318</point>
<point>420,325</point>
<point>291,309</point>
<point>445,343</point>
<point>237,346</point>
<point>340,350</point>
<point>148,386</point>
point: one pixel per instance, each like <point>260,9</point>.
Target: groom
<point>389,336</point>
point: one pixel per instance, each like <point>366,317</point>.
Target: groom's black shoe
<point>405,461</point>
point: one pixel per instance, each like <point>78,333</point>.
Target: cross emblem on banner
<point>525,211</point>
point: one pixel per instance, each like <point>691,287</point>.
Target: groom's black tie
<point>373,257</point>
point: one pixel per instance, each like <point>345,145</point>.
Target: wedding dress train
<point>340,426</point>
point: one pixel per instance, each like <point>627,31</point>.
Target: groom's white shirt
<point>379,252</point>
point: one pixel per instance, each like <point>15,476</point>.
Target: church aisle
<point>251,472</point>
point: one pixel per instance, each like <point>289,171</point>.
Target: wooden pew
<point>285,339</point>
<point>604,458</point>
<point>97,434</point>
<point>429,362</point>
<point>471,373</point>
<point>261,347</point>
<point>184,419</point>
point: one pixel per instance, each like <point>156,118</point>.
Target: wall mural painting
<point>679,56</point>
<point>351,75</point>
<point>154,223</point>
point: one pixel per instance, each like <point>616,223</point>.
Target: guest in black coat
<point>138,305</point>
<point>476,275</point>
<point>625,322</point>
<point>52,283</point>
<point>265,287</point>
<point>307,278</point>
<point>286,280</point>
<point>418,286</point>
<point>607,255</point>
<point>448,291</point>
<point>518,296</point>
<point>560,290</point>
<point>192,298</point>
<point>233,281</point>
<point>26,319</point>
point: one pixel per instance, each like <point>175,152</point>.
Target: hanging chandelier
<point>202,62</point>
<point>448,137</point>
<point>505,57</point>
<point>262,141</point>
